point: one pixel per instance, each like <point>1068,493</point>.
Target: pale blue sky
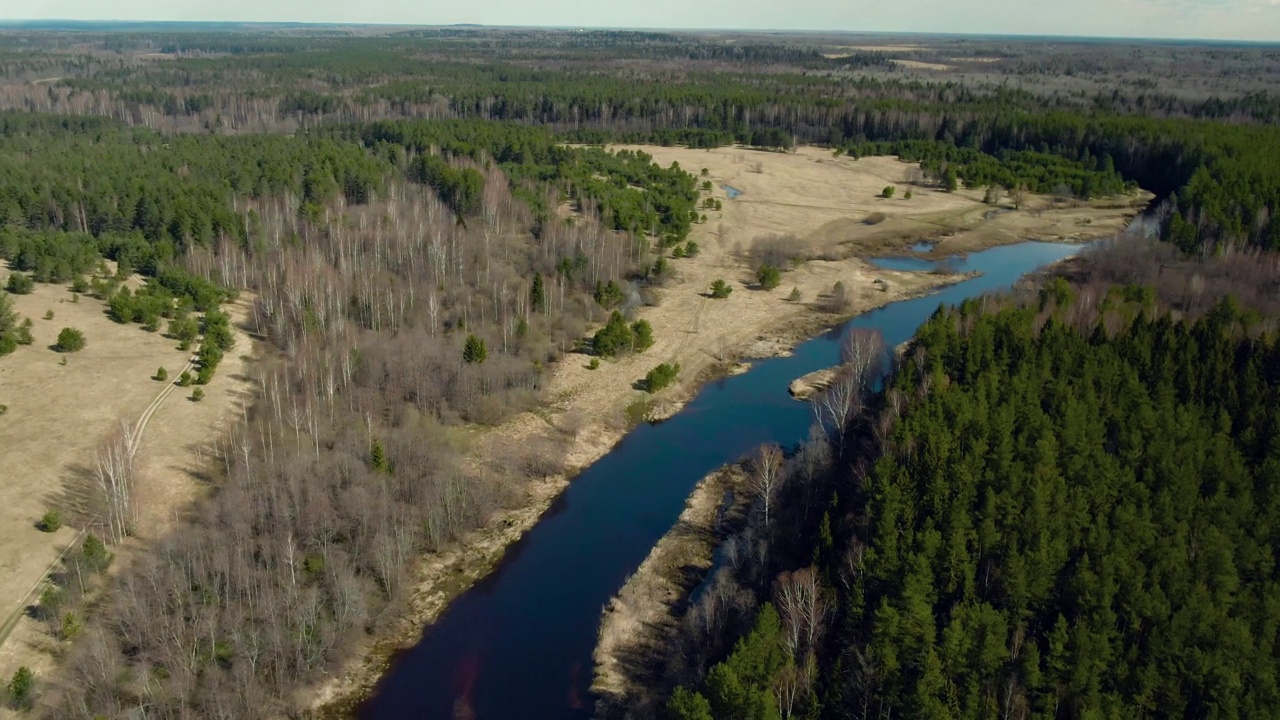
<point>1221,19</point>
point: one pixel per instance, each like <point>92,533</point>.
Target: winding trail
<point>139,428</point>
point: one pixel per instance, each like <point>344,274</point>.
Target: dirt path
<point>57,415</point>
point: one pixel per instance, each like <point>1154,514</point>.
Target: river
<point>518,645</point>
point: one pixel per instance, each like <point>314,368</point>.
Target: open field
<point>56,417</point>
<point>820,200</point>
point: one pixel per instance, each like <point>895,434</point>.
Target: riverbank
<point>586,411</point>
<point>640,624</point>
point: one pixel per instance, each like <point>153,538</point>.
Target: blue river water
<point>518,645</point>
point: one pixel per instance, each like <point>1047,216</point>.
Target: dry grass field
<point>57,414</point>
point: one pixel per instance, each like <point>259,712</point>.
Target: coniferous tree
<point>474,351</point>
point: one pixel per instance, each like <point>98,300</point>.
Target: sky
<point>1207,19</point>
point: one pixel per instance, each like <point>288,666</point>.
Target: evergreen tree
<point>475,351</point>
<point>378,458</point>
<point>537,296</point>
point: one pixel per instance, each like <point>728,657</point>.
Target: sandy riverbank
<point>641,622</point>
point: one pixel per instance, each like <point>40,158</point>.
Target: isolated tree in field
<point>474,351</point>
<point>70,340</point>
<point>22,689</point>
<point>769,277</point>
<point>642,335</point>
<point>888,191</point>
<point>20,284</point>
<point>795,295</point>
<point>908,195</point>
<point>161,375</point>
<point>1018,195</point>
<point>114,474</point>
<point>720,289</point>
<point>765,476</point>
<point>661,376</point>
<point>51,521</point>
<point>839,298</point>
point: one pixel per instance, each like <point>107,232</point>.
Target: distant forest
<point>1212,156</point>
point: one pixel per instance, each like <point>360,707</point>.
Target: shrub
<point>80,286</point>
<point>48,314</point>
<point>720,289</point>
<point>70,340</point>
<point>161,375</point>
<point>22,335</point>
<point>22,689</point>
<point>71,626</point>
<point>642,335</point>
<point>20,284</point>
<point>594,364</point>
<point>691,249</point>
<point>51,600</point>
<point>888,191</point>
<point>197,395</point>
<point>907,195</point>
<point>795,295</point>
<point>769,277</point>
<point>4,409</point>
<point>661,268</point>
<point>875,218</point>
<point>51,521</point>
<point>661,377</point>
<point>184,379</point>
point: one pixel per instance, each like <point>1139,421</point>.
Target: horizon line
<point>16,22</point>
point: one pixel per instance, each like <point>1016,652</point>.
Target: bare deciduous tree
<point>114,474</point>
<point>766,476</point>
<point>802,609</point>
